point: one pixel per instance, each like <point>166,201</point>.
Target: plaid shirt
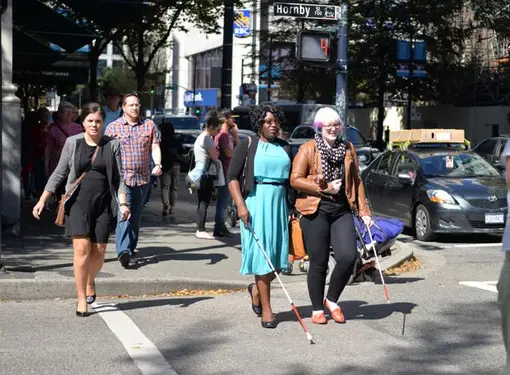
<point>135,144</point>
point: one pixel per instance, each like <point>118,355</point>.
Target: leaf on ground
<point>185,293</point>
<point>409,265</point>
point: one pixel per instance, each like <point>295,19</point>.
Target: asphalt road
<point>442,319</point>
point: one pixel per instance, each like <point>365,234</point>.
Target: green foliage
<point>150,32</point>
<point>123,80</point>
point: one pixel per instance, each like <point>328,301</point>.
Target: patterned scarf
<point>332,158</point>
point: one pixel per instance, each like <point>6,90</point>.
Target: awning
<point>108,13</point>
<point>28,51</point>
<point>35,18</point>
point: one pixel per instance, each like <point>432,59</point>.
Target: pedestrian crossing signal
<point>313,46</point>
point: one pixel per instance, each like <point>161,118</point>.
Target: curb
<point>399,255</point>
<point>33,289</point>
<point>37,289</point>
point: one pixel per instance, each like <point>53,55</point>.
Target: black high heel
<point>81,314</point>
<point>257,309</point>
<point>91,299</point>
<point>272,324</point>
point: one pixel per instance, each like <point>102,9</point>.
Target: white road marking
<point>485,285</point>
<point>145,354</point>
<point>480,245</point>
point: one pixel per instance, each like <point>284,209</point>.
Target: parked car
<point>491,148</point>
<point>436,189</point>
<point>366,153</point>
<point>180,122</point>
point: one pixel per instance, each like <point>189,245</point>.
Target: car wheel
<point>422,227</point>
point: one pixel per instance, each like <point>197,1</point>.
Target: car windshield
<point>456,164</point>
<point>183,123</point>
<point>355,137</point>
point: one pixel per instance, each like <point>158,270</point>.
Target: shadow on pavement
<point>453,341</point>
<point>181,302</point>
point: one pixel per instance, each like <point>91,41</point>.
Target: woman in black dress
<point>91,209</point>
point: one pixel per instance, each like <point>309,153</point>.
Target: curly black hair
<point>258,113</point>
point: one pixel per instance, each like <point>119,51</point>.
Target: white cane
<point>372,244</point>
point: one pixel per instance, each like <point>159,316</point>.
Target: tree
<point>151,30</point>
<point>117,78</point>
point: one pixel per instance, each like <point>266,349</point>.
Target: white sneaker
<point>203,235</point>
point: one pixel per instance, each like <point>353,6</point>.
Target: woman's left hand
<point>125,213</point>
<point>367,220</point>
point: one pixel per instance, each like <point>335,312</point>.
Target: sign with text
<point>308,11</point>
<point>242,23</point>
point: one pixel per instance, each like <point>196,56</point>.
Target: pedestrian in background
<point>504,277</point>
<point>171,157</point>
<point>261,199</point>
<point>139,140</point>
<point>112,108</point>
<point>226,140</point>
<point>206,152</point>
<point>92,206</point>
<point>58,132</point>
<point>325,172</point>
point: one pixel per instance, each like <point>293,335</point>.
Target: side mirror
<point>405,178</point>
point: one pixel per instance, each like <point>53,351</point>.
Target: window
<point>405,165</point>
<point>385,164</point>
<point>304,132</point>
<point>487,147</point>
<point>355,137</point>
<point>456,164</point>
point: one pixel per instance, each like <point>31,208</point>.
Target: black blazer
<point>236,167</point>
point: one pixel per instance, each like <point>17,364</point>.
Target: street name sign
<point>307,11</point>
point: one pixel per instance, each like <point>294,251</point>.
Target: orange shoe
<point>319,318</point>
<point>336,314</point>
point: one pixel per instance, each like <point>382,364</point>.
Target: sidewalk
<point>170,258</point>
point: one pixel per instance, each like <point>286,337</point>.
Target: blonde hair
<point>326,116</point>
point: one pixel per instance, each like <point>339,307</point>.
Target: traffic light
<point>198,113</point>
<point>152,89</point>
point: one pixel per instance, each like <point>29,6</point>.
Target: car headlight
<point>440,196</point>
<point>363,158</point>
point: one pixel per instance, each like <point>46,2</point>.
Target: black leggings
<point>319,231</point>
<point>204,200</point>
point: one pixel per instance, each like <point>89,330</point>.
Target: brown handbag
<point>60,220</point>
<point>296,246</point>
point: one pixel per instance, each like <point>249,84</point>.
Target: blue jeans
<point>127,231</point>
<point>221,207</point>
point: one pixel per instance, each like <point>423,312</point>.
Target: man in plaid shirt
<point>139,140</point>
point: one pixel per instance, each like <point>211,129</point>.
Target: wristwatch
<point>124,204</point>
<point>158,165</point>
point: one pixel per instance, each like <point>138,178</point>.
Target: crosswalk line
<point>485,285</point>
<point>144,353</point>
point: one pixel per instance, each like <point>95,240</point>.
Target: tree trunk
<point>381,110</point>
<point>93,62</point>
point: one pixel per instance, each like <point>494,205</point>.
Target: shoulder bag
<point>60,220</point>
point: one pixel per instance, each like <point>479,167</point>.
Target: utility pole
<point>270,69</point>
<point>228,39</point>
<point>194,81</point>
<point>3,7</point>
<point>342,65</point>
<point>409,123</point>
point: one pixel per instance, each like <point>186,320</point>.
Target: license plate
<point>494,218</point>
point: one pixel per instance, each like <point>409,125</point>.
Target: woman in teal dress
<point>258,179</point>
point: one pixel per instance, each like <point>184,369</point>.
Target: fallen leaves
<point>183,293</point>
<point>412,264</point>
